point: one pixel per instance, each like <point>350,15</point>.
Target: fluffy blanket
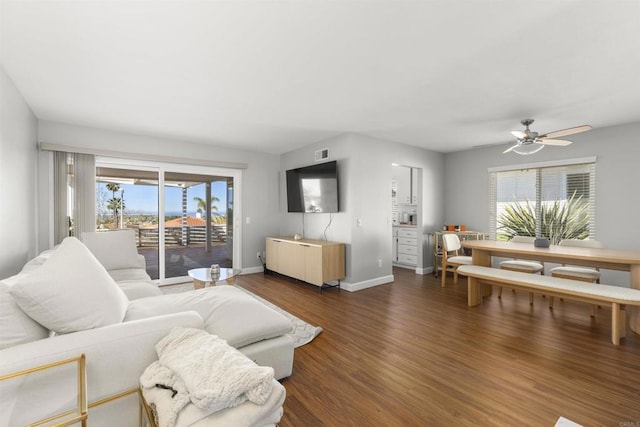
<point>204,370</point>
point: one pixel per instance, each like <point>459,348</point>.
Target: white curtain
<point>84,201</point>
<point>60,205</point>
<point>75,192</point>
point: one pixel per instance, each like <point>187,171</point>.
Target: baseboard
<point>352,287</point>
<point>251,270</point>
<point>405,266</point>
<point>423,271</point>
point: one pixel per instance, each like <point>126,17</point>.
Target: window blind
<point>540,187</point>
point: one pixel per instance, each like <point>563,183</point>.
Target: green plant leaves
<point>561,219</point>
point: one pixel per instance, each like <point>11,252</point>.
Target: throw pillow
<point>15,326</point>
<point>114,249</point>
<point>71,291</point>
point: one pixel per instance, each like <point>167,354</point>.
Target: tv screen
<point>313,189</point>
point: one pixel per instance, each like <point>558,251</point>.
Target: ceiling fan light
<point>526,149</point>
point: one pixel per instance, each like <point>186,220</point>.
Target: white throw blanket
<point>204,370</point>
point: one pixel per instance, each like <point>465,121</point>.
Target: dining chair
<point>522,266</point>
<point>450,256</point>
<point>584,274</point>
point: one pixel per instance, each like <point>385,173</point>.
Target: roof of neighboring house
<point>191,222</point>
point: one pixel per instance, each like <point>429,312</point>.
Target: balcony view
<point>131,199</point>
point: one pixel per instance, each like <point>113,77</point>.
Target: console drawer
<point>406,241</point>
<point>407,250</point>
<point>407,259</point>
<point>410,233</point>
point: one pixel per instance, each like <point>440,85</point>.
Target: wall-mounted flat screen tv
<point>313,189</point>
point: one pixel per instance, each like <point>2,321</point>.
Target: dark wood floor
<point>413,354</point>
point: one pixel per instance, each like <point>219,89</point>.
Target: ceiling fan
<point>530,142</point>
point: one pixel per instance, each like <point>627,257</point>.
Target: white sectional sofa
<point>115,316</point>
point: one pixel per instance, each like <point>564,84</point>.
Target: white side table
<point>202,277</point>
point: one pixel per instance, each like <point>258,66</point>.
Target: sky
<point>144,198</point>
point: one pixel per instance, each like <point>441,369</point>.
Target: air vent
<point>322,154</point>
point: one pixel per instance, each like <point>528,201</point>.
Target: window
<point>554,200</point>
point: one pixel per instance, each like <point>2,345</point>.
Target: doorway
<point>406,217</point>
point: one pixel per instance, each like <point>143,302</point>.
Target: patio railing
<point>173,235</point>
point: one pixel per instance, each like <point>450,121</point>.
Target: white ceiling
<point>273,76</point>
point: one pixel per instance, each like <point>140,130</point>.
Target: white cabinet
<point>414,186</point>
<point>394,245</point>
<point>406,179</point>
<point>405,246</point>
<point>403,182</point>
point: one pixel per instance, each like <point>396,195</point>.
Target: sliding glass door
<point>183,216</point>
<point>198,232</point>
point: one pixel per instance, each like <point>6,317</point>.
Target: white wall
<point>617,151</point>
<point>259,180</point>
<point>18,176</point>
<point>365,174</point>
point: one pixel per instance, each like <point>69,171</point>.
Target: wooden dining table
<point>482,252</point>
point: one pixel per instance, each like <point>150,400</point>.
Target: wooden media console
<point>313,261</point>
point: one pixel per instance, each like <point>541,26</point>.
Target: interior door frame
<point>161,168</point>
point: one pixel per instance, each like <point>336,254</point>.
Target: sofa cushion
<point>71,291</point>
<point>135,283</point>
<point>136,290</point>
<point>15,326</point>
<point>229,313</point>
<point>114,249</point>
<point>130,274</point>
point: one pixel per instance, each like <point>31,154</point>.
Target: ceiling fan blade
<point>560,142</point>
<point>519,134</point>
<point>566,132</point>
<point>508,150</point>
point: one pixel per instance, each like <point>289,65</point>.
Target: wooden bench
<point>615,297</point>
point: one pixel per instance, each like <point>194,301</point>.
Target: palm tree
<point>114,202</point>
<point>202,204</point>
